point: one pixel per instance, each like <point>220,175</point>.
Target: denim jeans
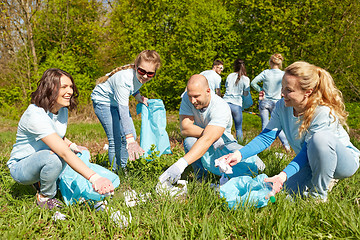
<point>265,108</point>
<point>328,159</point>
<point>110,120</point>
<point>44,166</point>
<point>236,112</point>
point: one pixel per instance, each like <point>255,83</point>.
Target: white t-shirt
<point>117,89</point>
<point>213,78</point>
<point>34,125</point>
<point>234,92</point>
<point>282,118</point>
<point>218,113</point>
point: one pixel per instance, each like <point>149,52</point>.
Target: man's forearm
<point>192,131</point>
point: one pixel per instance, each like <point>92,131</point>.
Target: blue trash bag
<point>153,127</point>
<point>247,100</point>
<point>246,191</point>
<point>246,167</point>
<point>73,186</point>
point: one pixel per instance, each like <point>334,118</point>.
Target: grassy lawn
<point>202,214</point>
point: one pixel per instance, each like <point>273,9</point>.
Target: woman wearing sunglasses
<point>110,99</point>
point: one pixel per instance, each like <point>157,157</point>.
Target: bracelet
<point>129,136</point>
<point>91,176</point>
<point>70,144</point>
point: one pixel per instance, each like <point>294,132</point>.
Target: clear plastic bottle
<point>271,194</point>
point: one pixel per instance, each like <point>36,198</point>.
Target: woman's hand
<point>261,95</point>
<point>101,185</point>
<point>142,99</point>
<point>231,158</point>
<point>277,181</point>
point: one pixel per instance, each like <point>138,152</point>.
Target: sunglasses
<point>142,72</point>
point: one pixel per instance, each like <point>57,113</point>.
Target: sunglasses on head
<point>142,72</point>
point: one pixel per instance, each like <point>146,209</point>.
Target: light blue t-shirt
<point>218,113</point>
<point>271,79</point>
<point>117,89</point>
<point>234,92</point>
<point>34,125</point>
<point>213,78</point>
<point>282,118</point>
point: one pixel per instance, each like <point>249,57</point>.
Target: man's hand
<point>277,181</point>
<point>173,173</point>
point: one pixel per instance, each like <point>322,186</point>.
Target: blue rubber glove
<point>173,173</point>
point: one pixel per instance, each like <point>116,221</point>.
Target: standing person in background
<point>111,104</point>
<point>270,92</point>
<point>213,76</point>
<point>237,85</point>
<point>312,115</point>
<point>42,151</point>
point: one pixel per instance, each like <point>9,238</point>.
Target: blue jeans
<point>236,112</point>
<point>265,108</point>
<point>44,166</point>
<point>110,120</point>
<point>328,159</point>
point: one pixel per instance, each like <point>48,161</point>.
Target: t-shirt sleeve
<point>186,106</point>
<point>218,82</point>
<point>256,80</point>
<point>37,123</point>
<point>220,115</point>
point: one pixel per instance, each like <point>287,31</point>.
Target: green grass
<point>200,215</point>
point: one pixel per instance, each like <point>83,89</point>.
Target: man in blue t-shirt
<point>205,120</point>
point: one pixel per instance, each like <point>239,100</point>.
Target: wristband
<point>130,139</point>
<point>70,144</point>
<point>93,178</point>
<point>73,146</point>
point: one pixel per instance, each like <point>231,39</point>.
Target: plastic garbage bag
<point>247,100</point>
<point>74,187</point>
<point>153,127</point>
<point>247,167</point>
<point>245,191</point>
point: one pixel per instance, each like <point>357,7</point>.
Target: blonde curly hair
<point>146,55</point>
<point>324,92</point>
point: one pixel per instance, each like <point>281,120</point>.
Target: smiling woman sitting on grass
<point>312,115</point>
<point>41,150</point>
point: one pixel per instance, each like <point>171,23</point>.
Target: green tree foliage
<point>189,35</point>
<point>69,40</point>
<point>325,33</point>
<point>89,38</point>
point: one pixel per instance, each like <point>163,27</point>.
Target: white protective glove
<point>173,173</point>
